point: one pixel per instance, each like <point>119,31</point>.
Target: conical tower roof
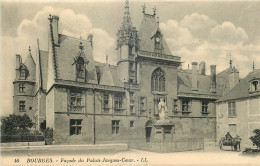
<point>30,64</point>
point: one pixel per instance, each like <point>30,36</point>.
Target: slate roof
<point>43,68</point>
<point>66,54</point>
<point>241,90</point>
<point>31,66</point>
<point>185,83</point>
<point>108,74</point>
<point>227,71</point>
<point>147,30</point>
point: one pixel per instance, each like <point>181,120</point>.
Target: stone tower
<point>24,85</point>
<point>127,45</point>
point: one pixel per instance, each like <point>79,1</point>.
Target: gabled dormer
<point>80,62</point>
<point>26,70</point>
<point>254,85</point>
<point>157,37</point>
<point>23,72</point>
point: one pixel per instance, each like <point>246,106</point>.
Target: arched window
<point>158,80</point>
<point>80,68</point>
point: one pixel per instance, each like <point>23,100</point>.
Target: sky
<point>209,31</point>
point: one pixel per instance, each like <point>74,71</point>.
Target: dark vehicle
<point>228,140</point>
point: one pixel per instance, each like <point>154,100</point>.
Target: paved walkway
<point>111,154</point>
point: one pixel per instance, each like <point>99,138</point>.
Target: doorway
<point>148,130</point>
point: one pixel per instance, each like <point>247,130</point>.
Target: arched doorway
<point>148,130</point>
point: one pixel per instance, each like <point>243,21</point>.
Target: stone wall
<point>246,120</point>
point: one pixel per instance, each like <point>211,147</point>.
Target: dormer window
<point>254,85</point>
<point>22,74</point>
<point>158,42</point>
<point>80,68</point>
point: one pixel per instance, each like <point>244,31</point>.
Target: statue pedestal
<point>163,131</point>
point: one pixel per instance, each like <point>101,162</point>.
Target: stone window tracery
<point>158,80</point>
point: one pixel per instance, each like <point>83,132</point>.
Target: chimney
<point>194,76</point>
<point>18,61</point>
<point>90,39</point>
<point>202,68</point>
<point>233,77</point>
<point>213,79</point>
<point>54,20</point>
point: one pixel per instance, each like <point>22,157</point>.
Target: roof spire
<point>126,6</point>
<point>230,63</point>
<point>253,66</point>
<point>144,8</point>
<point>81,47</point>
<point>154,11</point>
<point>106,57</point>
<point>38,44</point>
<point>30,53</point>
<point>127,19</point>
<point>158,20</point>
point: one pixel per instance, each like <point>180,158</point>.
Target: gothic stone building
<point>85,101</point>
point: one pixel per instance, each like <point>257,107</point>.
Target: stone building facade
<point>85,101</point>
<point>238,112</point>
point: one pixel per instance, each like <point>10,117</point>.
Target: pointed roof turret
<point>127,33</point>
<point>30,64</point>
<point>29,60</point>
<point>230,63</point>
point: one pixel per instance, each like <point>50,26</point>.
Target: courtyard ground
<point>107,155</point>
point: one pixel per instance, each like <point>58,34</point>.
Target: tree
<point>256,138</point>
<point>15,123</point>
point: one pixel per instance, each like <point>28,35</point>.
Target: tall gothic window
<point>80,68</point>
<point>158,80</point>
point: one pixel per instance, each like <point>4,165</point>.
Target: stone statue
<point>162,109</point>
